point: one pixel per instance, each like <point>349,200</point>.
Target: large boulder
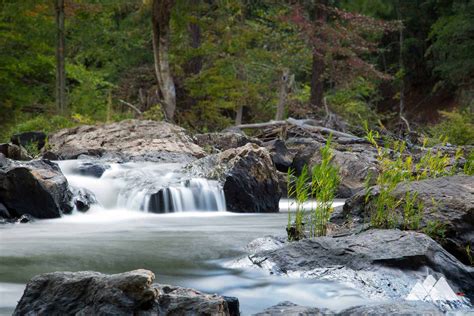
<point>129,293</point>
<point>281,157</point>
<point>448,203</point>
<point>128,140</point>
<point>37,188</point>
<point>216,142</point>
<point>26,139</point>
<point>248,177</point>
<point>383,264</point>
<point>354,161</point>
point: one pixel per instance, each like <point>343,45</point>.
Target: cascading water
<point>148,187</point>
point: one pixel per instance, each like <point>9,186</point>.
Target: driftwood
<point>133,107</point>
<point>307,125</point>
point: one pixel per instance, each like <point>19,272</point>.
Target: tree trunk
<point>60,57</point>
<point>317,69</point>
<point>195,64</point>
<point>161,13</point>
<point>283,96</point>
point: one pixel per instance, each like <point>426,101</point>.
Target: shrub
<point>457,127</point>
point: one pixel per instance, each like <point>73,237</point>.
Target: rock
<point>383,264</point>
<point>129,293</point>
<point>25,218</point>
<point>83,199</point>
<point>355,162</point>
<point>41,181</point>
<point>447,200</point>
<point>290,309</point>
<point>14,152</point>
<point>248,177</point>
<point>29,138</point>
<point>92,169</point>
<point>416,308</point>
<point>281,157</point>
<point>129,140</point>
<point>215,142</point>
<point>174,300</point>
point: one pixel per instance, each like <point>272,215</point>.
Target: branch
<point>133,107</point>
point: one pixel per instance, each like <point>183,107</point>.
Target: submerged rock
<point>37,188</point>
<point>417,308</point>
<point>92,168</point>
<point>448,203</point>
<point>129,140</point>
<point>129,293</point>
<point>248,177</point>
<point>380,263</point>
<point>83,199</point>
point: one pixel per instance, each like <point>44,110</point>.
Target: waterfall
<point>147,187</point>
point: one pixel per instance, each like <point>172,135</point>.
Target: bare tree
<point>286,81</point>
<point>318,66</point>
<point>161,14</point>
<point>60,57</point>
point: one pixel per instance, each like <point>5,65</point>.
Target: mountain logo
<point>432,290</point>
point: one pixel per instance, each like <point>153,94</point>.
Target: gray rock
<point>128,140</point>
<point>215,142</point>
<point>281,157</point>
<point>39,180</point>
<point>83,199</point>
<point>408,308</point>
<point>289,309</point>
<point>447,200</point>
<point>92,168</point>
<point>129,293</point>
<point>354,161</point>
<point>248,177</point>
<point>380,263</point>
<point>14,152</point>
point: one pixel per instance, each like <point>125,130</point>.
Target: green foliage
<point>46,124</point>
<point>395,167</point>
<point>356,102</point>
<point>32,149</point>
<point>321,186</point>
<point>469,164</point>
<point>435,229</point>
<point>457,127</point>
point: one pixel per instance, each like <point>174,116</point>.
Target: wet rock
<point>248,177</point>
<point>174,300</point>
<point>83,199</point>
<point>41,181</point>
<point>448,201</point>
<point>92,169</point>
<point>129,293</point>
<point>416,308</point>
<point>355,162</point>
<point>38,139</point>
<point>383,264</point>
<point>290,309</point>
<point>129,140</point>
<point>281,157</point>
<point>215,142</point>
<point>25,218</point>
<point>14,152</point>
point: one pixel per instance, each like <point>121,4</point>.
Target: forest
<point>402,65</point>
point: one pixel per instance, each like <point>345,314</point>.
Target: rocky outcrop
<point>416,308</point>
<point>127,140</point>
<point>248,177</point>
<point>381,263</point>
<point>281,157</point>
<point>37,188</point>
<point>216,142</point>
<point>130,293</point>
<point>14,152</point>
<point>34,138</point>
<point>354,161</point>
<point>447,202</point>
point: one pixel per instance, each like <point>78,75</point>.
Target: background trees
<point>208,64</point>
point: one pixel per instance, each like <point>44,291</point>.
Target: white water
<point>136,186</point>
<point>190,247</point>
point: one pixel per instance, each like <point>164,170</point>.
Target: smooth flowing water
<point>184,248</point>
